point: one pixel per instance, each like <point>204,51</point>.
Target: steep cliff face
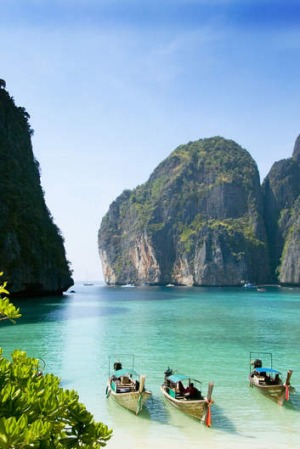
<point>32,254</point>
<point>196,221</point>
<point>289,269</point>
<point>296,152</point>
<point>281,191</point>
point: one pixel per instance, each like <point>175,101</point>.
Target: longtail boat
<point>268,380</point>
<point>127,387</point>
<point>177,391</point>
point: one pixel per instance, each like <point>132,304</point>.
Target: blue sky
<point>113,86</point>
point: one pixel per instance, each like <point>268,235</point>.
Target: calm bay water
<point>207,333</point>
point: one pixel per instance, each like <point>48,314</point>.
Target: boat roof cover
<point>177,377</point>
<point>125,372</point>
<point>267,370</point>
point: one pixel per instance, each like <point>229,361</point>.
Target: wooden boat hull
<point>133,400</point>
<point>277,393</point>
<point>197,409</point>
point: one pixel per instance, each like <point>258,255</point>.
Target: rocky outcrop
<point>281,193</point>
<point>32,254</point>
<point>198,220</point>
<point>296,152</point>
<point>289,269</point>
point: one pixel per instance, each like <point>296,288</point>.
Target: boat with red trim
<point>184,393</point>
<point>268,380</point>
<point>127,387</point>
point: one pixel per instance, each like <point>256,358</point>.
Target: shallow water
<point>206,333</point>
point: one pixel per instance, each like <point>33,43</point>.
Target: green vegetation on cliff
<point>32,250</point>
<point>281,193</point>
<point>202,201</point>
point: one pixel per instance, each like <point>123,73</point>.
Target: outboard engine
<point>168,372</point>
<point>257,363</point>
<point>117,366</point>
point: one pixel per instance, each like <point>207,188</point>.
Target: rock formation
<point>281,192</point>
<point>32,254</point>
<point>198,220</point>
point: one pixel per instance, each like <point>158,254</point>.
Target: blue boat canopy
<point>267,370</point>
<point>125,372</point>
<point>177,377</point>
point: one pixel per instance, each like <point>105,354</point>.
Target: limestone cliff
<point>32,254</point>
<point>198,220</point>
<point>281,192</point>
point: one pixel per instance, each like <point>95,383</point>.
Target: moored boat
<point>268,380</point>
<point>184,393</point>
<point>127,387</point>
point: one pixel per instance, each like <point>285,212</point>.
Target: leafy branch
<point>7,310</point>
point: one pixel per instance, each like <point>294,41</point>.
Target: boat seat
<point>124,390</point>
<point>261,379</point>
<point>125,380</point>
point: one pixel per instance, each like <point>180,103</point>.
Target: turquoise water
<point>206,333</point>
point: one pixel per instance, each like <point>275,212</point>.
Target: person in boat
<point>268,380</point>
<point>191,392</point>
<point>277,380</point>
<point>180,388</point>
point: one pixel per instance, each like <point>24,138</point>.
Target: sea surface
<point>207,333</point>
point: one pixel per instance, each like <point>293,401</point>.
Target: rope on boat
<point>139,404</point>
<point>287,393</point>
<point>208,413</point>
<point>209,401</point>
<point>287,384</point>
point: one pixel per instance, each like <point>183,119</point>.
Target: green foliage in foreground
<point>35,412</point>
<point>7,310</point>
